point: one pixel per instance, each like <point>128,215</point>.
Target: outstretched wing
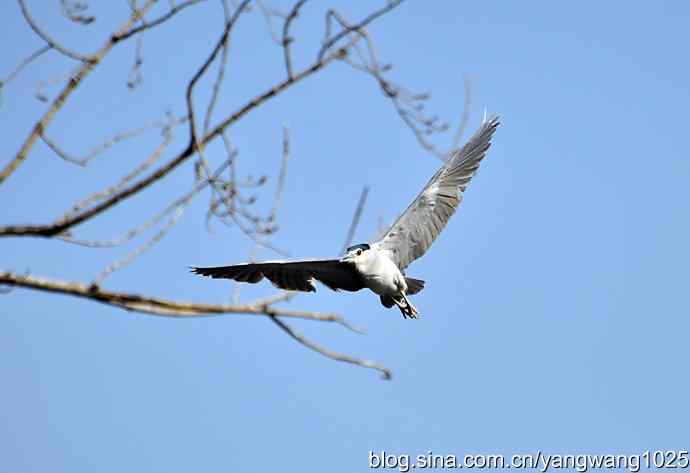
<point>416,229</point>
<point>291,275</point>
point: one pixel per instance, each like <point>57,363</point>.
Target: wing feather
<point>417,228</point>
<point>291,275</point>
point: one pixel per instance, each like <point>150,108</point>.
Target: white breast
<point>381,275</point>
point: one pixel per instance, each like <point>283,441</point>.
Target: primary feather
<point>417,228</point>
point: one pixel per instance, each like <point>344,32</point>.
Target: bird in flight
<point>380,266</point>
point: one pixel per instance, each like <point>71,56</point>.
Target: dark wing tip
<point>211,272</point>
<point>199,271</point>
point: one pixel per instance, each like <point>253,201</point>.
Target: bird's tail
<point>414,285</point>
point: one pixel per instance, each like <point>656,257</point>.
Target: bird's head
<point>357,255</point>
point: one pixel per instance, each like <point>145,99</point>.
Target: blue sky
<point>555,311</point>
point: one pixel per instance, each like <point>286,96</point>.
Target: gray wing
<point>416,229</point>
<point>291,275</point>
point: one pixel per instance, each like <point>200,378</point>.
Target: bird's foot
<point>406,308</point>
<point>412,311</point>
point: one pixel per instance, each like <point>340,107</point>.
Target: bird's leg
<point>403,307</point>
<point>406,308</point>
<point>411,310</point>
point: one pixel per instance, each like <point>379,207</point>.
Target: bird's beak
<point>346,259</point>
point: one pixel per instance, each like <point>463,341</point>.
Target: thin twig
<point>194,141</point>
<point>331,40</point>
<point>158,21</point>
<point>185,198</point>
<point>276,90</point>
<point>282,176</point>
<point>51,42</point>
<point>135,76</point>
<point>58,78</point>
<point>253,237</point>
<point>385,372</point>
<point>268,15</point>
<point>28,60</point>
<point>410,122</point>
<point>110,142</point>
<point>286,35</point>
<point>408,106</point>
<point>282,296</point>
<point>355,219</point>
<point>102,194</point>
<point>122,262</point>
<point>359,31</point>
<point>221,74</point>
<point>465,117</point>
<point>226,193</point>
<point>73,10</point>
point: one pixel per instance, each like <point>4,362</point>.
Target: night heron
<point>380,266</point>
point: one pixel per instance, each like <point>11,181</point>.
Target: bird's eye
<point>359,252</point>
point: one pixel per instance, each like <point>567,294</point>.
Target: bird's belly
<point>382,285</point>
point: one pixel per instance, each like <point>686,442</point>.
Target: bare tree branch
<point>70,87</point>
<point>62,225</point>
<point>409,106</point>
<point>154,305</point>
<point>385,372</point>
<point>231,197</point>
